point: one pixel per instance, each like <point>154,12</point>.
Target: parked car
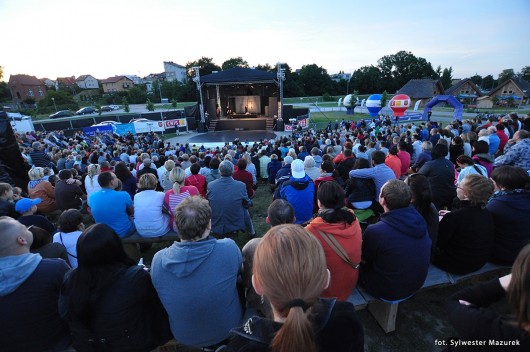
<point>115,107</point>
<point>85,111</point>
<point>140,120</point>
<point>106,123</point>
<point>106,108</point>
<point>61,113</point>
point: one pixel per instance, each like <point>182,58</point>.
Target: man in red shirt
<point>244,176</point>
<point>404,156</point>
<point>197,180</point>
<point>502,136</point>
<point>393,162</point>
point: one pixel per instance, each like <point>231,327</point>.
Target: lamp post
<point>53,99</point>
<point>281,77</point>
<point>197,80</point>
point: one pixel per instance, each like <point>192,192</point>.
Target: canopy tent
<point>243,90</point>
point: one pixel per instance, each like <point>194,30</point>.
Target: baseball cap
<point>25,204</point>
<point>297,169</point>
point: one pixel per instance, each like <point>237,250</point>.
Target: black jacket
<point>337,329</point>
<point>126,316</point>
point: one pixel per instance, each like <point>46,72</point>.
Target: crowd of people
<point>347,205</point>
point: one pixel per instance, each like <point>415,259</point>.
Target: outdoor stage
<point>241,124</point>
<point>222,137</point>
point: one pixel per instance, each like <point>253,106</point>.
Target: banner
<point>174,123</point>
<point>151,126</point>
<point>124,128</point>
<point>90,131</point>
<point>304,123</point>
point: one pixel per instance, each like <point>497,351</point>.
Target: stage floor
<point>230,136</point>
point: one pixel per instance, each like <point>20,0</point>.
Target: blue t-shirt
<point>110,207</point>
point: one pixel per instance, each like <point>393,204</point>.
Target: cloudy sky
<point>57,38</point>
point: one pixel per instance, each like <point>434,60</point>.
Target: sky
<point>104,38</point>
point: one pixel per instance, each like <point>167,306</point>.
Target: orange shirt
<point>393,162</point>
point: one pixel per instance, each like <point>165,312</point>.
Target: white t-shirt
<point>69,241</point>
<point>148,217</point>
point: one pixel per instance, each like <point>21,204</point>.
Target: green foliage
<point>174,103</point>
<point>510,101</point>
<point>149,105</point>
<point>63,101</point>
<point>447,77</point>
<point>384,99</point>
<point>367,79</point>
<point>314,80</point>
<point>266,67</point>
<point>398,69</point>
<point>506,75</point>
<point>1,72</point>
<point>525,73</point>
<point>234,62</point>
<point>5,93</point>
<point>292,86</point>
<point>477,79</point>
<point>98,109</point>
<point>327,97</point>
<point>206,66</point>
<point>137,95</point>
<point>125,104</point>
<point>488,82</point>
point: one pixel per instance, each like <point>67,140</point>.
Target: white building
<point>174,72</point>
<point>87,82</point>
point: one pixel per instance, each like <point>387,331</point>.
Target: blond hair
<point>36,173</point>
<point>290,265</point>
<point>177,176</point>
<point>147,181</point>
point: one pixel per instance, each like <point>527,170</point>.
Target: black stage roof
<point>239,75</point>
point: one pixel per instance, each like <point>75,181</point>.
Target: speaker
<point>10,155</point>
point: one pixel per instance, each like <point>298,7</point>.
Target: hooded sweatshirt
<point>196,282</point>
<point>14,270</point>
<point>396,254</point>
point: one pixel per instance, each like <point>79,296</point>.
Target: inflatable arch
<point>449,99</point>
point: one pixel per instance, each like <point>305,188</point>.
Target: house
<point>26,89</point>
<point>48,82</point>
<point>87,82</point>
<point>116,84</point>
<point>464,89</point>
<point>65,83</point>
<point>175,71</point>
<point>422,89</point>
<point>337,77</point>
<point>136,80</point>
<point>517,89</point>
<point>484,102</point>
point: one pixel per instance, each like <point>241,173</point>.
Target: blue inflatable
<point>373,104</point>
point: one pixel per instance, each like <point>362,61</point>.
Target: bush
<point>327,97</point>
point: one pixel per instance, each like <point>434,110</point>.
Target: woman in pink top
<point>178,193</point>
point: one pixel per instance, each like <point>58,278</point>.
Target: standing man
<point>111,207</point>
<point>29,292</point>
<point>196,278</point>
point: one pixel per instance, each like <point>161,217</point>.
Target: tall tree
<point>447,77</point>
<point>5,93</point>
<point>206,65</point>
<point>315,80</point>
<point>1,72</point>
<point>401,67</point>
<point>291,85</point>
<point>234,62</point>
<point>488,82</point>
<point>477,79</point>
<point>266,67</point>
<point>366,80</point>
<point>439,71</point>
<point>525,73</point>
<point>506,75</point>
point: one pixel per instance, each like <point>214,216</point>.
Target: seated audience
<point>516,151</point>
<point>290,272</point>
<point>465,236</point>
<point>196,179</point>
<point>467,166</point>
<point>38,187</point>
<point>379,173</point>
<point>29,294</point>
<point>28,207</point>
<point>338,222</point>
<point>126,177</point>
<point>441,175</point>
<point>7,205</point>
<point>299,190</point>
<point>42,244</point>
<point>91,179</point>
<point>196,278</point>
<point>244,176</point>
<point>68,194</point>
<point>178,192</point>
<point>150,219</point>
<point>474,321</point>
<point>510,207</point>
<point>108,301</point>
<point>388,269</point>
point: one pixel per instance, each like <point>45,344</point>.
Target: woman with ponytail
<point>335,222</point>
<point>290,272</point>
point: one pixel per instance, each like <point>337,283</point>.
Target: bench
<point>135,238</point>
<point>385,312</point>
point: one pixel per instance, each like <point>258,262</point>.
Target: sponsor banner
<point>304,123</point>
<point>124,128</point>
<point>90,131</point>
<point>174,123</point>
<point>151,126</point>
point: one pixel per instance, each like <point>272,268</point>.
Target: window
<point>510,92</point>
<point>504,92</point>
<point>41,93</point>
<point>30,92</point>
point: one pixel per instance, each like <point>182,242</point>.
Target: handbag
<point>335,245</point>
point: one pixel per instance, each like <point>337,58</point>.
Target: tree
<point>291,86</point>
<point>1,72</point>
<point>125,104</point>
<point>174,103</point>
<point>525,73</point>
<point>367,79</point>
<point>439,71</point>
<point>149,105</point>
<point>447,77</point>
<point>488,83</point>
<point>136,95</point>
<point>5,93</point>
<point>384,98</point>
<point>506,75</point>
<point>234,62</point>
<point>266,67</point>
<point>398,69</point>
<point>62,100</point>
<point>314,80</point>
<point>205,64</point>
<point>477,79</point>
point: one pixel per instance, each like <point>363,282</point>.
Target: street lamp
<point>53,99</point>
